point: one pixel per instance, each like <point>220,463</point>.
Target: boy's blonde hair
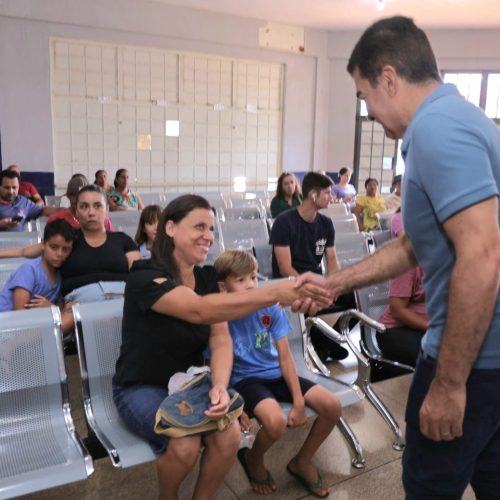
<point>234,263</point>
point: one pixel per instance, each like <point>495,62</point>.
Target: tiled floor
<point>379,480</point>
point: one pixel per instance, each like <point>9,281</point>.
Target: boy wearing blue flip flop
<point>264,374</point>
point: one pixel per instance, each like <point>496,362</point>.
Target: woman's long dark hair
<point>149,215</point>
<point>279,186</point>
<point>163,247</point>
<point>117,174</point>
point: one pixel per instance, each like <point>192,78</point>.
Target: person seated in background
<point>65,202</point>
<point>98,265</point>
<point>101,179</point>
<point>393,201</point>
<point>406,317</point>
<point>121,196</point>
<point>264,374</point>
<point>288,194</point>
<point>37,282</point>
<point>147,228</point>
<point>368,206</point>
<point>172,313</point>
<point>27,188</point>
<point>69,214</point>
<point>343,190</point>
<point>301,238</point>
<point>100,260</point>
<point>16,210</point>
<point>396,224</point>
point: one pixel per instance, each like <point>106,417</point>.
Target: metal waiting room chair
<point>7,267</point>
<point>39,447</point>
<point>99,336</point>
<point>303,355</point>
<point>372,301</point>
<point>18,239</point>
<point>363,380</point>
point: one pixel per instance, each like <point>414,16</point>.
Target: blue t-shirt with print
<point>21,207</point>
<point>452,157</point>
<point>254,348</point>
<point>32,277</point>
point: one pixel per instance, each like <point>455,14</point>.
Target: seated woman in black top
<point>99,262</point>
<point>98,265</point>
<point>172,313</point>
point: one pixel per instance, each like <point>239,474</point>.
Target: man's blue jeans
<point>442,470</point>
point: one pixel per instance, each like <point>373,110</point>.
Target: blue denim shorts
<point>137,407</point>
<point>94,292</point>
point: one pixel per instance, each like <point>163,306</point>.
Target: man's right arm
<point>390,261</point>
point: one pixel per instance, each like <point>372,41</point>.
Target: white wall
<point>455,50</point>
<point>25,28</point>
<point>319,96</point>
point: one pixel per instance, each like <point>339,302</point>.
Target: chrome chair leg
<point>358,462</point>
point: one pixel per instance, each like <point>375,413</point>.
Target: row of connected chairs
<point>36,429</point>
<point>99,337</point>
<point>39,446</point>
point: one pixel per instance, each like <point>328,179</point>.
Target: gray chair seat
<point>38,444</point>
<point>18,239</point>
<point>99,338</point>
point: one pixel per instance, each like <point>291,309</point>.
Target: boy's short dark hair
<point>59,227</point>
<point>234,263</point>
<point>315,181</point>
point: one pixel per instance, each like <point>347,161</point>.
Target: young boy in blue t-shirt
<point>37,282</point>
<point>264,374</point>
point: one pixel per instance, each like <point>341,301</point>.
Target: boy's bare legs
<point>329,410</point>
<point>175,464</point>
<point>216,461</point>
<point>268,413</point>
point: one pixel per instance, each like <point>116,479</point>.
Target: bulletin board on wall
<point>111,106</point>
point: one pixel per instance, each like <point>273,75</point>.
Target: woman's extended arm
<point>184,303</point>
<point>132,257</point>
<point>30,252</point>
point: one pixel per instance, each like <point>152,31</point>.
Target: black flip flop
<point>242,458</point>
<point>307,485</point>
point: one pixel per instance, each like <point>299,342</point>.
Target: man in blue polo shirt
<point>450,213</point>
<point>16,210</point>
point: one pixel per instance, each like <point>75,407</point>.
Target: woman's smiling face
<point>192,236</point>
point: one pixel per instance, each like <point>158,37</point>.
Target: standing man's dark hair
<point>396,41</point>
<point>315,181</point>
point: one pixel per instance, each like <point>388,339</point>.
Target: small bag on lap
<point>183,412</point>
